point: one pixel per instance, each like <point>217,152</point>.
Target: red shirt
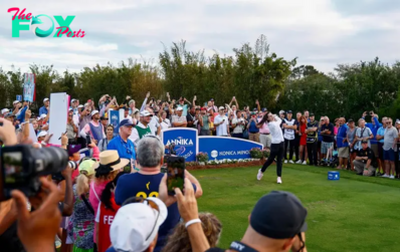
<point>105,218</point>
<point>75,173</point>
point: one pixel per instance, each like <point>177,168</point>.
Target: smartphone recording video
<point>176,174</point>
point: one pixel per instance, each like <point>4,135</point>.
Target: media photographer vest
<point>289,133</point>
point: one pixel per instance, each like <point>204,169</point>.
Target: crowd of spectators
<point>116,199</point>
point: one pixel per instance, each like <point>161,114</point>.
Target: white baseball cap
<point>80,106</point>
<point>42,133</point>
<point>145,113</point>
<point>94,112</point>
<point>73,100</point>
<point>15,102</point>
<point>221,108</point>
<point>5,111</point>
<point>45,100</point>
<point>179,109</point>
<point>42,116</point>
<point>136,225</point>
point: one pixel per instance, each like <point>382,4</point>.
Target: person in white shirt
<point>221,123</point>
<point>238,123</point>
<point>277,145</point>
<point>164,121</point>
<point>290,127</point>
<point>179,120</point>
<point>154,124</point>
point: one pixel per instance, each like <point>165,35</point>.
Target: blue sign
<point>219,148</point>
<point>113,118</point>
<point>185,140</point>
<point>333,175</point>
<point>19,98</point>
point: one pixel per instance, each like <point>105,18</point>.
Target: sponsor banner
<point>114,119</point>
<point>185,140</point>
<point>219,148</point>
<point>29,87</point>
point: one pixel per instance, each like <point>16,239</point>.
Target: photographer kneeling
<point>365,162</point>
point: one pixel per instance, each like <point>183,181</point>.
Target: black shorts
<point>380,150</point>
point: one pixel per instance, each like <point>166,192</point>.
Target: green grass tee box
<point>354,213</point>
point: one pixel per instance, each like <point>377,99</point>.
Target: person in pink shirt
<point>265,137</point>
<point>94,128</point>
<point>106,171</point>
<point>337,126</point>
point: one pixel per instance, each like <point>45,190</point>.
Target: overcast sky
<point>322,33</point>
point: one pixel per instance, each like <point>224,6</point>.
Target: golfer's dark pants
<point>292,143</point>
<point>276,151</point>
<point>312,149</point>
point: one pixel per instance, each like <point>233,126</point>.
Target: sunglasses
<point>150,203</point>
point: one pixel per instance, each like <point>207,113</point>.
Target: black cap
<point>364,141</point>
<point>103,118</point>
<point>289,112</point>
<point>312,114</point>
<point>279,215</point>
<point>350,121</point>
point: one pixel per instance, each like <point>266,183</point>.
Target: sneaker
<point>305,163</point>
<point>291,161</point>
<point>285,161</point>
<point>279,180</point>
<point>299,162</point>
<point>259,174</point>
<point>385,176</point>
<point>391,176</point>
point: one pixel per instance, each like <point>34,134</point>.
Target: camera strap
<point>238,246</point>
<point>88,206</point>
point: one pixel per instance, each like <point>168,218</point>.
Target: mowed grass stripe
<point>353,214</point>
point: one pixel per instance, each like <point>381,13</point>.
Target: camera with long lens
<point>22,165</point>
<point>59,177</point>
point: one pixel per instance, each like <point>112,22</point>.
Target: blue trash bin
<point>333,175</point>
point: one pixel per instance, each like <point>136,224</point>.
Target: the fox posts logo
<point>20,22</point>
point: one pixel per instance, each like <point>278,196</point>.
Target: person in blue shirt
<point>146,182</point>
<point>374,125</point>
<point>379,137</point>
<point>45,108</point>
<point>20,116</point>
<point>342,144</point>
<point>254,131</point>
<point>122,144</point>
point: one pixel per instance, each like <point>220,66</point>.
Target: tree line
<point>253,72</point>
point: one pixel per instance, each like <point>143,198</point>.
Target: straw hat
<point>110,158</point>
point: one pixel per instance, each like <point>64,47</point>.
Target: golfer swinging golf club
<point>277,145</point>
